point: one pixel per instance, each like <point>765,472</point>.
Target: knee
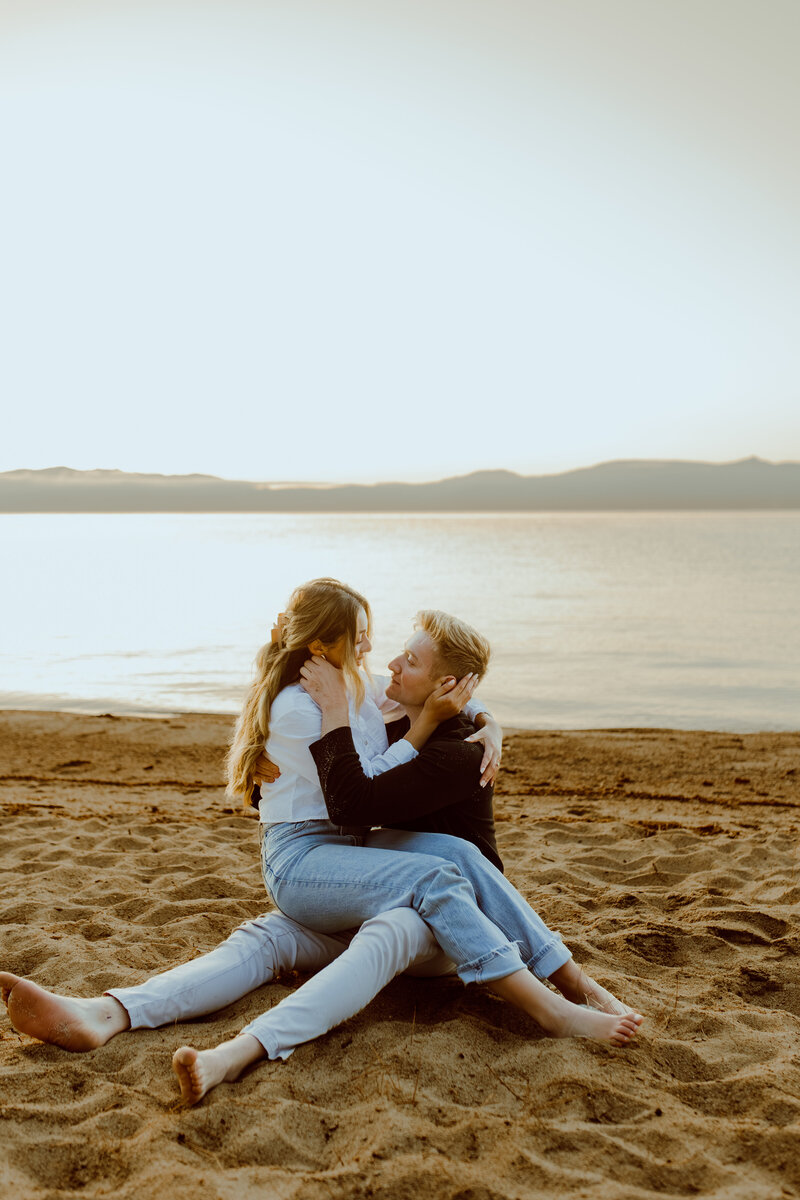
<point>441,883</point>
<point>272,937</point>
<point>465,852</point>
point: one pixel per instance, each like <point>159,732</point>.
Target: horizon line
<point>323,484</point>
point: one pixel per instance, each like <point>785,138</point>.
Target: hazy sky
<point>401,239</point>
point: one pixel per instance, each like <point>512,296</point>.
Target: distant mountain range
<point>750,483</point>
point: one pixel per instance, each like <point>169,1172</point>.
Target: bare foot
<point>199,1071</point>
<point>586,1022</point>
<point>63,1021</point>
<point>7,981</point>
<point>573,982</point>
<point>559,1016</point>
<point>596,996</point>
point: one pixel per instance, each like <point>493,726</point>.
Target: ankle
<point>115,1014</point>
<point>242,1051</point>
<point>573,982</point>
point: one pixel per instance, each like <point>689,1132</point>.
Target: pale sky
<point>344,240</point>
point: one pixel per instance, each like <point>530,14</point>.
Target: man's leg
<point>384,946</point>
<point>66,1021</point>
<point>252,955</point>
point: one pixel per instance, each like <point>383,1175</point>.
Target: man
<point>439,791</point>
<point>441,794</point>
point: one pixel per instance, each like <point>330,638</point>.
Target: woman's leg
<point>252,955</point>
<point>541,948</point>
<point>324,880</point>
<point>561,1017</point>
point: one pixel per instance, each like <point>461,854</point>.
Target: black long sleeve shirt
<point>437,792</point>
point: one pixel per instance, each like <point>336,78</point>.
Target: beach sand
<point>669,861</point>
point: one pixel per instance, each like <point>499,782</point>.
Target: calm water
<point>683,620</point>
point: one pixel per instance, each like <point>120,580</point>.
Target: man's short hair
<point>461,650</point>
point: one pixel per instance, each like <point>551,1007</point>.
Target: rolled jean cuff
<point>552,956</point>
<point>495,965</point>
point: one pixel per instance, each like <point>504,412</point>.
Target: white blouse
<point>296,722</point>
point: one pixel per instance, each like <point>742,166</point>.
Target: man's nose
<point>393,665</point>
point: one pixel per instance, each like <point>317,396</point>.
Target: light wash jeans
<point>541,948</point>
<point>352,968</point>
<point>351,973</point>
<point>329,880</point>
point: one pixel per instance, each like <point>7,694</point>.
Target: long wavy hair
<point>323,610</point>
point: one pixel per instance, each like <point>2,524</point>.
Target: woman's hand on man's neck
<point>326,686</point>
<point>445,700</point>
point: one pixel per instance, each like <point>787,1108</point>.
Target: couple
<point>426,889</point>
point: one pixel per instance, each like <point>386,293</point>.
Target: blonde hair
<point>460,649</point>
<point>323,610</point>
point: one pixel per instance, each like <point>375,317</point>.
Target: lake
<point>684,620</point>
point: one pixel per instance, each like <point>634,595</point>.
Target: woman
<point>326,877</point>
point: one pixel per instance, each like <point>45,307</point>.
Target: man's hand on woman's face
<point>324,683</point>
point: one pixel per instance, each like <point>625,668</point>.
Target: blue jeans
<point>330,881</point>
<point>541,948</point>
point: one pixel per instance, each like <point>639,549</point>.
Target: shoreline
<point>669,861</point>
<point>93,709</point>
<point>74,757</point>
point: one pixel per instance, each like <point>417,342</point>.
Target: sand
<point>667,860</point>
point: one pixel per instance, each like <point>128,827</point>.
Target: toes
<point>185,1056</point>
<point>184,1063</point>
<point>7,982</point>
<point>625,1032</point>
